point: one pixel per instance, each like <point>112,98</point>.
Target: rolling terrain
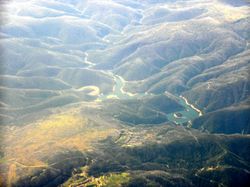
<point>125,93</point>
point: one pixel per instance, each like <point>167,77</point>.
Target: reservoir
<point>179,117</point>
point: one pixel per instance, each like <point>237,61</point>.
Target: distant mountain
<point>125,93</point>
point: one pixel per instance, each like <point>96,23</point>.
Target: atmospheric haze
<point>127,93</point>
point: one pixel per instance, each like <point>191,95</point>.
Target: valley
<point>129,93</point>
<point>188,114</point>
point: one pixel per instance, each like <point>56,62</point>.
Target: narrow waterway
<point>189,113</point>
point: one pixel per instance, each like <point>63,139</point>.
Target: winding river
<point>189,113</point>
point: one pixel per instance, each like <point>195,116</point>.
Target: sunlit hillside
<point>128,93</point>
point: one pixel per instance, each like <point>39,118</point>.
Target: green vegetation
<point>80,177</point>
<point>132,93</point>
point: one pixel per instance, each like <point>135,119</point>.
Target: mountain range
<point>125,93</point>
